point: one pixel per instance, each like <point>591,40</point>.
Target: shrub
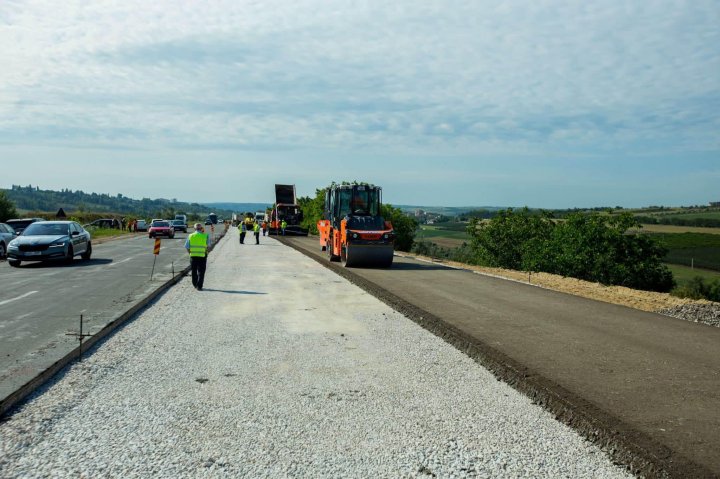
<point>585,246</point>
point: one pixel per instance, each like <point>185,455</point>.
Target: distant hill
<point>32,198</point>
<point>448,210</point>
<point>240,207</point>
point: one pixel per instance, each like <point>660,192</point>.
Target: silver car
<point>7,234</point>
<point>45,240</point>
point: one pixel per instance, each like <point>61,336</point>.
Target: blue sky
<point>457,103</point>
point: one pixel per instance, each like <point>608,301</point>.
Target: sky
<point>549,103</point>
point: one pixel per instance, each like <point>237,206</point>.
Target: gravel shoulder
<point>280,368</point>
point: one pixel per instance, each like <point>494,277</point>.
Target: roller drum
<point>368,255</point>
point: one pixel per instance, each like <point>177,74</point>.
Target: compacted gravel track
<point>280,368</point>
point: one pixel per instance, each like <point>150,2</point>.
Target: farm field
<point>684,274</point>
<point>678,229</point>
<point>715,215</point>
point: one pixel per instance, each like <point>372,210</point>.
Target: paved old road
<point>40,302</point>
<point>656,374</point>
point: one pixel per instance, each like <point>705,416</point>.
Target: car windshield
<point>178,222</point>
<point>20,224</point>
<point>46,229</point>
<point>161,224</point>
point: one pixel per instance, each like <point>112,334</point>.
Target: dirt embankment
<point>633,298</point>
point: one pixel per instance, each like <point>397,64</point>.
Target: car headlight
<point>355,235</point>
<point>58,244</point>
<point>13,244</point>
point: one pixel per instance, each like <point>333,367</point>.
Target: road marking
<point>119,262</point>
<point>2,303</point>
<point>24,316</point>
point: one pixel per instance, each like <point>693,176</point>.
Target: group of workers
<point>198,244</point>
<point>249,224</point>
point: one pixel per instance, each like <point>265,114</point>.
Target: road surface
<point>641,372</point>
<point>280,368</point>
<point>41,302</point>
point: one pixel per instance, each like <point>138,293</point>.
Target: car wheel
<point>70,255</point>
<point>3,252</point>
<point>88,252</point>
<point>14,262</point>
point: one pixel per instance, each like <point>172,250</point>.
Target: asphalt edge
<point>626,446</point>
<point>21,394</point>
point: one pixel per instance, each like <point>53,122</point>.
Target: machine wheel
<point>88,252</point>
<point>344,256</point>
<point>14,262</point>
<point>70,255</point>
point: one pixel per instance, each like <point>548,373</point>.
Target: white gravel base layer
<point>280,368</point>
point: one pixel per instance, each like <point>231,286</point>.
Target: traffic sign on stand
<point>156,252</point>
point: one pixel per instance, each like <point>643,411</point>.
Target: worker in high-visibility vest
<point>243,229</point>
<point>283,225</point>
<point>256,230</point>
<point>197,245</point>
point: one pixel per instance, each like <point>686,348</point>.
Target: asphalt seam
<point>641,454</point>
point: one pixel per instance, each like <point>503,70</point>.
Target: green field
<point>699,249</point>
<point>105,232</point>
<point>683,274</point>
<point>715,215</point>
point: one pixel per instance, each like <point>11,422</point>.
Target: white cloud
<point>471,76</point>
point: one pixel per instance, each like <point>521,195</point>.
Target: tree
<point>312,209</point>
<point>504,240</point>
<point>7,208</point>
<point>403,225</point>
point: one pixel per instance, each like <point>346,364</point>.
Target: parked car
<point>7,234</point>
<point>46,240</point>
<point>179,225</point>
<point>21,223</point>
<point>161,228</point>
<point>142,225</point>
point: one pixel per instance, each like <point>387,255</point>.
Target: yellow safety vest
<point>256,228</point>
<point>283,225</point>
<point>198,245</point>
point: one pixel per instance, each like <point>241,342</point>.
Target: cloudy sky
<point>545,103</point>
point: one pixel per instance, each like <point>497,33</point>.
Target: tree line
<point>32,198</point>
<point>587,246</point>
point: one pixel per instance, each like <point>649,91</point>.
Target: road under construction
<point>643,387</point>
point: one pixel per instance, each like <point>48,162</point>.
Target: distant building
<point>419,213</point>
